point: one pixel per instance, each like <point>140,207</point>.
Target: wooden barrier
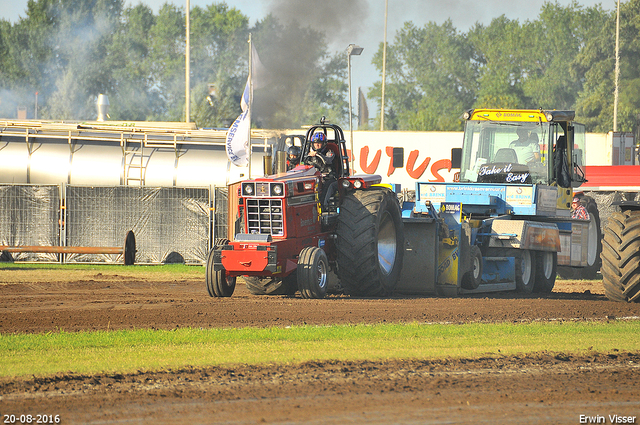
<point>128,250</point>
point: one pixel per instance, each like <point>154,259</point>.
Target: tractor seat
<point>506,155</point>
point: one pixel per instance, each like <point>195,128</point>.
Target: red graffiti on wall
<point>364,154</point>
<point>441,164</point>
<point>415,172</point>
<point>389,150</point>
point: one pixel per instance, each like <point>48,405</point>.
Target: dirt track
<point>543,388</point>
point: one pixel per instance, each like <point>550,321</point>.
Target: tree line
<point>562,59</point>
<point>69,51</point>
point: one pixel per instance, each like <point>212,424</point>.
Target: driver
<point>320,156</point>
<point>526,146</point>
<point>293,154</point>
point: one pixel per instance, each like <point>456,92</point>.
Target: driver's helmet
<point>319,138</point>
<point>294,153</point>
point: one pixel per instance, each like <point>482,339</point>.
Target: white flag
<point>238,140</point>
<point>257,77</point>
<point>244,102</point>
<point>238,134</point>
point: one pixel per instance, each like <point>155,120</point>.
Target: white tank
<point>122,153</point>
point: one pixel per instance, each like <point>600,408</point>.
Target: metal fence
<point>30,215</point>
<point>171,224</point>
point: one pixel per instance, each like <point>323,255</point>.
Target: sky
<point>360,22</point>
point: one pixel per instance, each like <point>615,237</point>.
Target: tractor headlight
<point>277,189</point>
<point>549,117</point>
<point>248,189</point>
<point>357,184</point>
<point>346,184</point>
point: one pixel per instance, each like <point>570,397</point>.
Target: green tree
<point>131,97</point>
<point>597,61</point>
<point>167,64</point>
<point>219,51</point>
<point>553,43</point>
<point>500,48</point>
<point>431,77</point>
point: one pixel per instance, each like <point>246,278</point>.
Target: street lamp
<point>352,50</point>
<point>384,65</point>
<point>617,71</point>
<point>187,66</point>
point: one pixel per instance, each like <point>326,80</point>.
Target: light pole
<point>352,50</point>
<point>384,65</point>
<point>187,83</point>
<point>617,71</point>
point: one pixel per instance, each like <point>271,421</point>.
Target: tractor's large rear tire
<point>218,283</point>
<point>270,285</point>
<point>369,242</point>
<point>594,263</point>
<point>621,257</point>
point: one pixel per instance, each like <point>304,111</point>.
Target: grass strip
<point>146,350</point>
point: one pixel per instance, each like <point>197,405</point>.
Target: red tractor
<point>304,223</point>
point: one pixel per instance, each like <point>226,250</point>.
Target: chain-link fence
<point>171,224</point>
<point>29,216</point>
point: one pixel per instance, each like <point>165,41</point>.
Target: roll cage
<point>335,142</point>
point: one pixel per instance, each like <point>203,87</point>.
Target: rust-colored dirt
<point>541,388</point>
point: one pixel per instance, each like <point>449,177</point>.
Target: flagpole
<point>250,100</point>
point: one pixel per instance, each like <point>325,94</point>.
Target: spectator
<point>578,211</point>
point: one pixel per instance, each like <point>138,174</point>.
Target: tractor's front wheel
<point>313,270</point>
<point>218,283</point>
<point>369,242</point>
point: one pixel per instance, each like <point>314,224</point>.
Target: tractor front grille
<point>264,216</point>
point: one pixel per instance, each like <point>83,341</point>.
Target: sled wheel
<point>594,250</point>
<point>546,266</point>
<point>472,278</point>
<point>525,270</point>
